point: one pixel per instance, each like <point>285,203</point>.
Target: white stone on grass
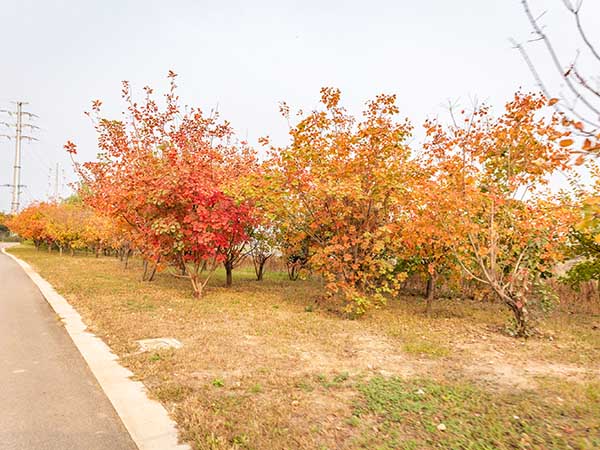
<point>158,344</point>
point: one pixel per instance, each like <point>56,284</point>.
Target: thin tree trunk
<point>151,278</point>
<point>127,254</point>
<point>197,287</point>
<point>182,267</point>
<point>292,271</point>
<point>197,284</point>
<point>261,270</point>
<point>229,273</point>
<point>430,294</point>
<point>518,307</point>
<point>522,325</point>
<point>145,270</point>
<point>259,262</point>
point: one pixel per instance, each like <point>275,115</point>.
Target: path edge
<point>146,420</point>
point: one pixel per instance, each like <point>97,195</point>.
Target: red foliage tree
<point>169,174</point>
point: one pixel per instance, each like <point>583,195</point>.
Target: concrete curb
<point>146,420</point>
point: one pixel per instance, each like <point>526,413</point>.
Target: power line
<point>34,151</point>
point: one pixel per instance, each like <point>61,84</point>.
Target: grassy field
<point>264,366</point>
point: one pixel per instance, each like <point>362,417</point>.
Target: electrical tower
<point>18,125</point>
<point>56,187</point>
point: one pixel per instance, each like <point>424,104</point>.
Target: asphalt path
<point>49,399</point>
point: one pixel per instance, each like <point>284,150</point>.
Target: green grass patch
<point>256,389</point>
<point>334,381</point>
<point>427,348</point>
<point>218,382</point>
<point>422,413</point>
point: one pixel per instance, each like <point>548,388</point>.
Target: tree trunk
<point>293,271</point>
<point>229,273</point>
<point>430,294</point>
<point>60,250</point>
<point>518,306</point>
<point>72,251</point>
<point>260,261</point>
<point>196,286</point>
<point>182,268</point>
<point>197,292</point>
<point>522,325</point>
<point>145,270</point>
<point>261,270</point>
<point>127,254</point>
<point>151,278</point>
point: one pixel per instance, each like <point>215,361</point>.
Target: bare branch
<point>469,272</point>
<point>556,60</point>
<point>480,260</point>
<point>516,268</point>
<point>583,82</point>
<point>584,37</point>
<point>546,92</point>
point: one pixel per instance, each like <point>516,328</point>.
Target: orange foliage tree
<point>496,170</point>
<point>67,225</point>
<point>339,189</point>
<point>30,223</point>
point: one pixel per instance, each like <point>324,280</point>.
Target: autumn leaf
<point>566,142</point>
<point>70,147</point>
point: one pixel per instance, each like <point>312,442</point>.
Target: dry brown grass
<point>265,367</point>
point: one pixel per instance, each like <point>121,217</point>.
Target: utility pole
<point>49,192</point>
<point>18,137</point>
<point>56,182</point>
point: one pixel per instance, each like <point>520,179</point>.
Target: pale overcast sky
<point>248,56</point>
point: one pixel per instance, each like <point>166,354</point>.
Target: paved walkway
<point>49,399</point>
